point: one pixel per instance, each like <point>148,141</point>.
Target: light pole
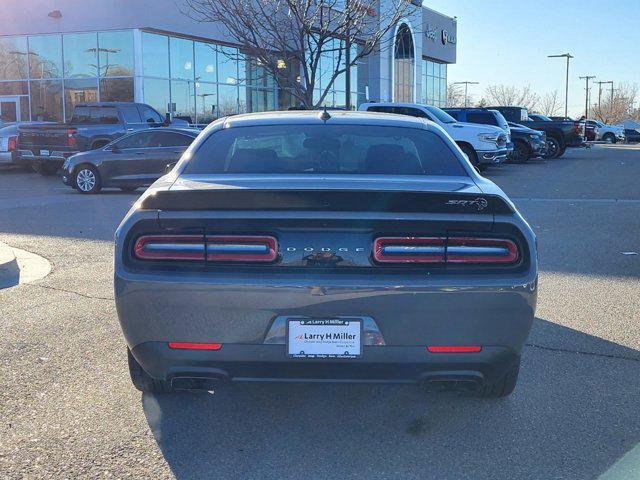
<point>568,56</point>
<point>466,86</point>
<point>586,79</point>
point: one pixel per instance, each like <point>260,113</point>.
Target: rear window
<point>324,149</point>
<point>481,117</point>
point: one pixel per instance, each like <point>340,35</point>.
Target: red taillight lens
<point>72,141</point>
<point>444,250</point>
<point>12,144</point>
<point>409,249</point>
<point>195,346</point>
<point>481,250</point>
<point>216,248</point>
<point>170,247</point>
<point>241,248</point>
<point>454,348</point>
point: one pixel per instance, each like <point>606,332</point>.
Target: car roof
<point>334,117</point>
<point>107,104</point>
<point>190,131</point>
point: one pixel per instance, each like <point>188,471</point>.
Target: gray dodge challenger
<point>325,247</point>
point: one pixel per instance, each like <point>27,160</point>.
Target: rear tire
<point>503,386</point>
<point>609,138</point>
<point>554,148</point>
<point>143,381</point>
<point>520,153</point>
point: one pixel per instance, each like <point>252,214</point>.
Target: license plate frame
<point>342,325</point>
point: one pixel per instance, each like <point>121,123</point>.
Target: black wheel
<point>87,179</point>
<point>45,169</point>
<point>609,138</point>
<point>520,153</point>
<point>143,381</point>
<point>553,148</point>
<point>502,387</point>
<point>473,156</point>
<point>128,189</point>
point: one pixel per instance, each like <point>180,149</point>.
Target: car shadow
<point>573,415</point>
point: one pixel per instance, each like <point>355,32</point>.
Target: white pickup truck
<point>483,144</point>
<point>608,133</point>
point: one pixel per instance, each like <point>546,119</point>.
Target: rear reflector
<point>444,250</point>
<point>72,141</point>
<point>454,348</point>
<point>170,247</point>
<point>409,249</point>
<point>243,248</point>
<point>195,346</point>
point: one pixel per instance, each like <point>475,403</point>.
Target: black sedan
<point>132,161</point>
<point>632,135</point>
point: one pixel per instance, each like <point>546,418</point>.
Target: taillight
<point>409,249</point>
<point>213,248</point>
<point>72,141</point>
<point>244,248</point>
<point>170,247</point>
<point>578,127</point>
<point>444,250</point>
<point>12,144</point>
<point>481,250</point>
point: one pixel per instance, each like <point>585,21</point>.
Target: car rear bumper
<point>387,364</point>
<point>243,314</point>
<point>56,157</point>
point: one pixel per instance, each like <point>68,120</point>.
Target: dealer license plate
<point>330,338</point>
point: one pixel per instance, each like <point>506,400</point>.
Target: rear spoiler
<point>327,200</point>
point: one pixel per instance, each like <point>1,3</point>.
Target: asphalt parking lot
<point>68,409</point>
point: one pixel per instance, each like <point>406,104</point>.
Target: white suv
<point>483,144</point>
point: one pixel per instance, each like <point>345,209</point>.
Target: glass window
<point>205,62</point>
<point>81,90</point>
<point>45,56</point>
<point>206,102</point>
<point>325,149</point>
<point>13,58</point>
<point>80,55</point>
<point>149,115</point>
<point>181,58</point>
<point>14,88</point>
<point>130,114</point>
<point>227,100</point>
<point>155,55</point>
<point>46,100</point>
<point>116,53</point>
<point>116,89</point>
<point>481,117</point>
<point>228,65</point>
<point>170,139</point>
<point>156,94</point>
<point>104,115</point>
<point>182,96</point>
<point>135,140</point>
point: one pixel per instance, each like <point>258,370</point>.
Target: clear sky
<point>507,42</point>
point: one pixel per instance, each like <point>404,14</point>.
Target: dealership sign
<point>445,36</point>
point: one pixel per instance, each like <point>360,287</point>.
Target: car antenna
<point>325,115</point>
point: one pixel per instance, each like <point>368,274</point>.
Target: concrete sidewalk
<point>19,266</point>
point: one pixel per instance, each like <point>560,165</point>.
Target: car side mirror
<point>169,167</point>
<point>115,148</point>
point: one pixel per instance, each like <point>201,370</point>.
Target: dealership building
<point>57,53</point>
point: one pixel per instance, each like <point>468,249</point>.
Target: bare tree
<point>550,105</point>
<point>455,96</point>
<point>288,38</point>
<point>510,95</point>
<point>619,107</point>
